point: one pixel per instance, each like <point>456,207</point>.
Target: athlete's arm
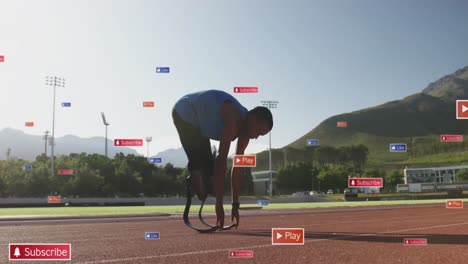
<point>242,143</point>
<point>230,117</point>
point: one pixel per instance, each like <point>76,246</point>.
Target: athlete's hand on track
<point>219,215</point>
<point>235,214</point>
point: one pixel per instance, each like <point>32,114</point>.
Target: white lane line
<point>261,246</point>
<point>400,219</point>
<point>404,219</point>
<point>423,228</point>
<point>197,252</point>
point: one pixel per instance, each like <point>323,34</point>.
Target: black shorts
<point>196,146</point>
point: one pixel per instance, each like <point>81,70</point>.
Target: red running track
<point>360,235</point>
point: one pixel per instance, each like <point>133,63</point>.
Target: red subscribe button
<point>241,254</point>
<point>128,142</point>
<point>415,242</point>
<point>246,89</point>
<point>23,251</point>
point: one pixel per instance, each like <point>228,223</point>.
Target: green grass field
<point>450,157</point>
<point>62,211</point>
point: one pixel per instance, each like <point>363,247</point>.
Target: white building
<point>261,181</point>
<point>432,175</point>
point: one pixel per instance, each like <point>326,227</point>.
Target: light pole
<point>54,81</point>
<point>148,140</point>
<point>270,105</point>
<point>105,124</point>
<point>46,136</point>
<point>8,152</point>
<point>285,161</point>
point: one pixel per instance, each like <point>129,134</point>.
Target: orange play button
<point>342,124</point>
<point>53,199</point>
<point>454,204</point>
<point>244,161</point>
<point>148,104</point>
<point>462,109</point>
<point>287,236</point>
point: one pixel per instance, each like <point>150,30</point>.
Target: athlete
<point>216,115</point>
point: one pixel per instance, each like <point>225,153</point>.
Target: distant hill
<point>423,115</point>
<point>176,157</point>
<point>28,147</point>
<point>450,87</point>
<point>417,120</point>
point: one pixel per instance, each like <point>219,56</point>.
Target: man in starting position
<point>212,114</point>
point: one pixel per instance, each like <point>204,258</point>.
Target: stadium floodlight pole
<point>60,82</point>
<point>8,152</point>
<point>285,162</point>
<point>105,124</point>
<point>270,105</point>
<point>46,135</point>
<point>148,140</point>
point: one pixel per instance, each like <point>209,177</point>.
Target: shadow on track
<point>440,239</point>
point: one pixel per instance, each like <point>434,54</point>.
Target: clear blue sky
<point>317,58</point>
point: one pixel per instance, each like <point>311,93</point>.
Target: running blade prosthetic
<point>187,210</point>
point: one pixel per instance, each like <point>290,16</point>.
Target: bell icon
<point>352,182</point>
<point>117,142</point>
<point>17,252</point>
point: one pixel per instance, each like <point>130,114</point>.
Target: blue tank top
<point>203,111</point>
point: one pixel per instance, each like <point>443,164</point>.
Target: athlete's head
<point>259,121</point>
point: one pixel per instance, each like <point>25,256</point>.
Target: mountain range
<point>427,114</point>
<point>421,117</point>
<point>28,147</point>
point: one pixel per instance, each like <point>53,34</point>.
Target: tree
<point>86,182</point>
<point>326,155</point>
<point>37,180</point>
<point>182,181</point>
<point>358,155</point>
<point>56,181</point>
<point>161,182</point>
<point>174,185</point>
<point>247,185</point>
<point>296,176</point>
<point>310,154</point>
<point>14,177</point>
<point>374,173</point>
<point>128,184</point>
<point>3,187</point>
<point>335,177</point>
<point>392,179</point>
<point>41,158</point>
<point>344,155</point>
<point>462,175</point>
